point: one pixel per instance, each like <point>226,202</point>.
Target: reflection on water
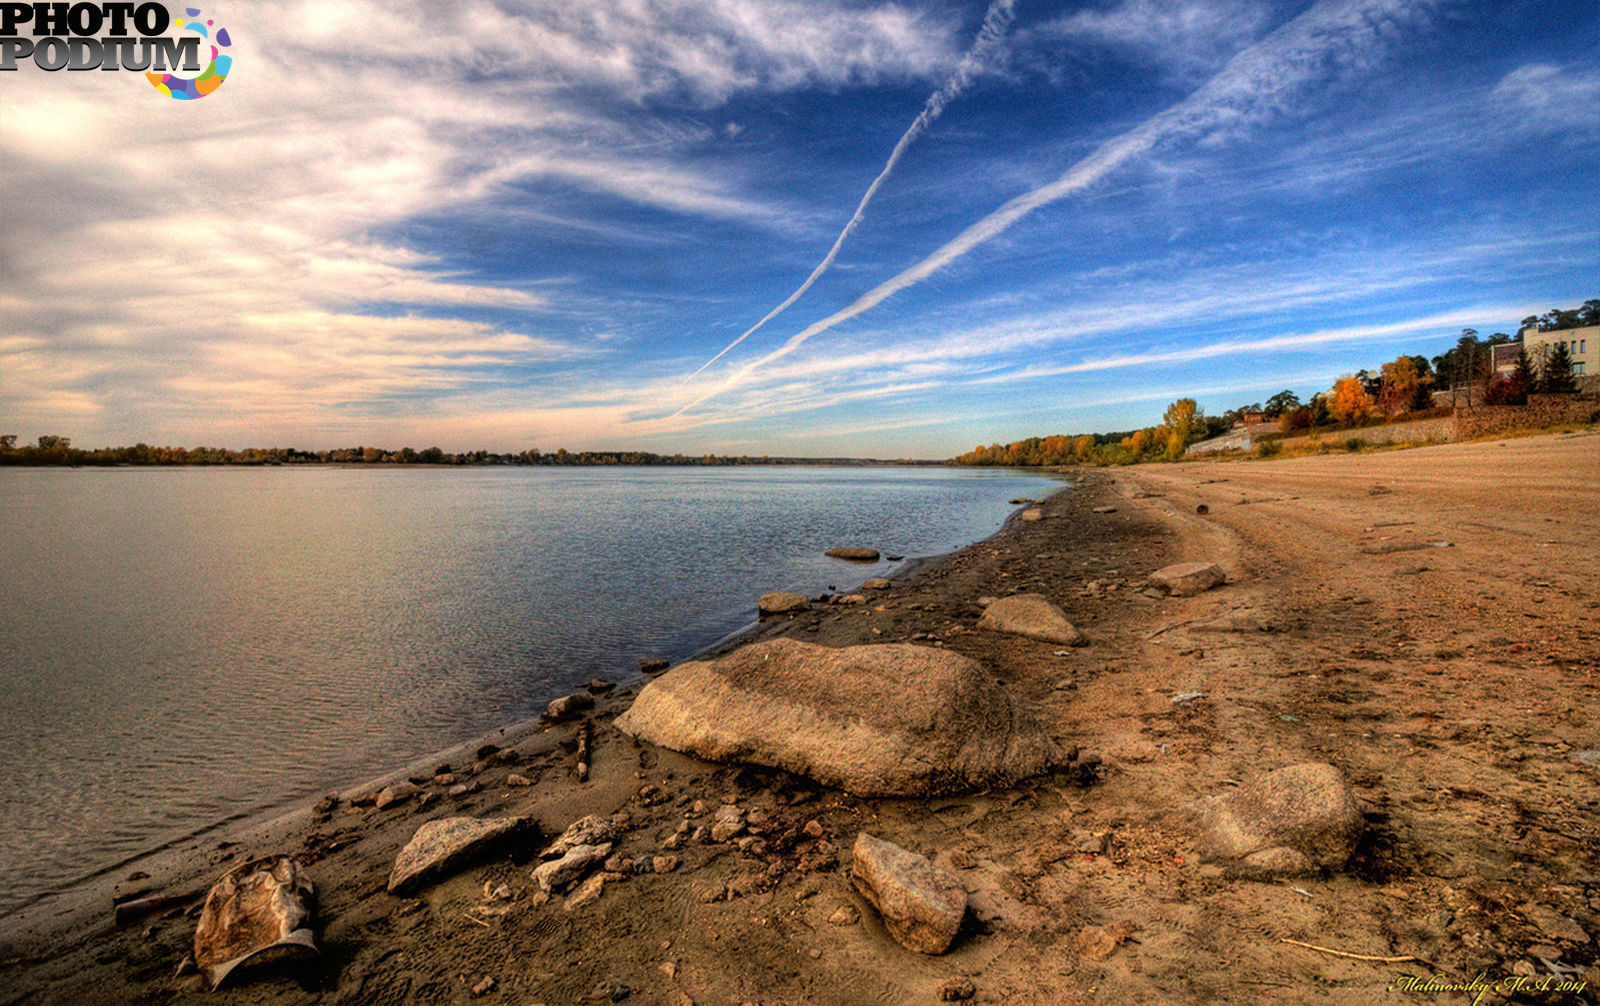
<point>181,645</point>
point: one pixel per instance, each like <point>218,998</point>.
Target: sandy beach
<point>1423,620</point>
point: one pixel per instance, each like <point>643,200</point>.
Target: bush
<point>1269,448</point>
<point>1354,444</point>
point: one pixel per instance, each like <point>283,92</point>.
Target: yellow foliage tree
<point>1400,383</point>
<point>1351,403</point>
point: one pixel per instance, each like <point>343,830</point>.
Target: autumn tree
<point>1181,418</point>
<point>1351,403</point>
<point>1399,386</point>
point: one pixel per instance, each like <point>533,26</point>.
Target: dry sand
<point>1426,620</point>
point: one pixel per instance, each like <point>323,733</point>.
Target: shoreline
<point>82,900</point>
<point>1462,717</point>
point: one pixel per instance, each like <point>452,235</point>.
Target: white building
<point>1583,345</point>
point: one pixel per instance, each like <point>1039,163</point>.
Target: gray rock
<point>1292,821</point>
<point>854,553</point>
<point>400,792</point>
<point>782,602</point>
<point>569,706</point>
<point>921,904</point>
<point>438,845</point>
<point>560,874</point>
<point>1185,579</point>
<point>893,720</point>
<point>1031,615</point>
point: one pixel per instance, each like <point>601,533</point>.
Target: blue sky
<point>517,224</point>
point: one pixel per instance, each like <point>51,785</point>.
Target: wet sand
<point>1454,684</point>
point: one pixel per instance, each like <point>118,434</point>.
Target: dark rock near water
<point>854,553</point>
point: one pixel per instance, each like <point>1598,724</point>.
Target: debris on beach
<point>1186,579</point>
<point>875,720</point>
<point>261,905</point>
<point>921,904</point>
<point>1293,821</point>
<point>1033,616</point>
<point>438,845</point>
<point>853,553</point>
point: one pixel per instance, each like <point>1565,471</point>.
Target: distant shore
<point>1353,629</point>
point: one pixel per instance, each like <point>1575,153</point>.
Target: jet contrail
<point>995,25</point>
<point>1252,85</point>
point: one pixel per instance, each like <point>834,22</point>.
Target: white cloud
<point>1550,97</point>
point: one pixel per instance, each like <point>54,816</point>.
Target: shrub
<point>1269,448</point>
<point>1354,444</point>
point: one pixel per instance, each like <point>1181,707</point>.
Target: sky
<point>510,224</point>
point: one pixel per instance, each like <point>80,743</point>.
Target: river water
<point>178,646</point>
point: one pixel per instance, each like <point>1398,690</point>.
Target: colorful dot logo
<point>192,89</point>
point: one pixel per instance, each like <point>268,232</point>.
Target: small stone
<point>569,706</point>
<point>618,864</point>
<point>921,904</point>
<point>460,789</point>
<point>782,602</point>
<point>516,779</point>
<point>1185,579</point>
<point>599,686</point>
<point>708,893</point>
<point>845,915</point>
<point>1033,514</point>
<point>814,954</point>
<point>670,969</point>
<point>589,830</point>
<point>877,583</point>
<point>400,792</point>
<point>437,845</point>
<point>956,990</point>
<point>1096,944</point>
<point>1105,509</point>
<point>654,665</point>
<point>663,864</point>
<point>587,893</point>
<point>962,860</point>
<point>854,553</point>
<point>564,872</point>
<point>814,828</point>
<point>444,779</point>
<point>727,823</point>
<point>483,987</point>
<point>699,807</point>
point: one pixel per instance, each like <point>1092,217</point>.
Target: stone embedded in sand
<point>892,720</point>
<point>1032,514</point>
<point>1292,821</point>
<point>438,845</point>
<point>569,706</point>
<point>854,553</point>
<point>921,904</point>
<point>782,602</point>
<point>590,830</point>
<point>726,823</point>
<point>1105,509</point>
<point>1031,615</point>
<point>560,874</point>
<point>1188,578</point>
<point>877,583</point>
<point>257,906</point>
<point>400,792</point>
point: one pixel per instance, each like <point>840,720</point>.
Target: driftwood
<point>583,751</point>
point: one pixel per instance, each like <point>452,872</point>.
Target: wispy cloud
<point>996,21</point>
<point>1259,83</point>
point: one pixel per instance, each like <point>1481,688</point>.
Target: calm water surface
<point>182,645</point>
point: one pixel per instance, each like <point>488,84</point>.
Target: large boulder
<point>1293,821</point>
<point>782,602</point>
<point>1188,578</point>
<point>439,845</point>
<point>893,720</point>
<point>1031,615</point>
<point>854,553</point>
<point>921,904</point>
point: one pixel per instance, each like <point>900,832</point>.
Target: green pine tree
<point>1558,372</point>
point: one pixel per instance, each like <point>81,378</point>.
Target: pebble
<point>516,779</point>
<point>845,915</point>
<point>814,828</point>
<point>663,864</point>
<point>957,990</point>
<point>483,987</point>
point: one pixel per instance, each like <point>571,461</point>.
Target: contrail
<point>1252,86</point>
<point>995,25</point>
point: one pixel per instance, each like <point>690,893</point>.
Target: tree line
<point>1401,389</point>
<point>58,450</point>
